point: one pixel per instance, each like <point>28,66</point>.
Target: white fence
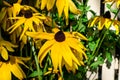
<point>112,73</point>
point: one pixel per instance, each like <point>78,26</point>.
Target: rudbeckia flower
<point>6,46</point>
<point>113,1</point>
<point>26,22</point>
<point>62,6</point>
<point>104,21</point>
<point>65,49</point>
<point>11,66</point>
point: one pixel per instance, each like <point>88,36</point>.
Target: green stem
<point>36,59</point>
<point>101,39</point>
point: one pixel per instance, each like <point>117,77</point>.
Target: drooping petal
<point>4,54</point>
<point>16,25</point>
<point>3,13</point>
<point>36,20</point>
<point>73,8</point>
<point>75,44</point>
<point>66,10</point>
<point>55,55</point>
<point>5,73</point>
<point>70,53</point>
<point>44,50</point>
<point>64,51</point>
<point>60,62</point>
<point>60,6</point>
<point>82,37</point>
<point>24,30</point>
<point>101,23</point>
<point>15,69</point>
<point>29,22</point>
<point>43,4</point>
<point>92,22</point>
<point>41,35</point>
<point>16,9</point>
<point>50,4</point>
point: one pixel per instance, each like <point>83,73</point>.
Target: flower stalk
<point>36,59</point>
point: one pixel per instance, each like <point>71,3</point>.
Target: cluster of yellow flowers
<point>64,48</point>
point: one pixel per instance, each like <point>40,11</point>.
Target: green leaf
<point>34,74</point>
<point>95,64</point>
<point>91,45</point>
<point>108,6</point>
<point>109,56</point>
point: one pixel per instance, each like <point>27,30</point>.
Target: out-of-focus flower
<point>63,6</point>
<point>11,66</point>
<point>104,21</point>
<point>26,22</point>
<point>62,46</point>
<point>6,46</point>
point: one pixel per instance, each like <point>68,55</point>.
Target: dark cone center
<point>28,14</point>
<point>107,15</point>
<point>59,36</point>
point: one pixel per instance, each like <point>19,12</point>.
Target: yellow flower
<point>26,21</point>
<point>113,1</point>
<point>100,21</point>
<point>104,21</point>
<point>4,46</point>
<point>11,66</point>
<point>62,6</point>
<point>61,44</point>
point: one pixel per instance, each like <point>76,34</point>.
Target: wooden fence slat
<point>108,73</point>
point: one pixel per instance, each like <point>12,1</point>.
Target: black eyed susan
<point>26,21</point>
<point>6,46</point>
<point>63,6</point>
<point>11,66</point>
<point>61,45</point>
<point>104,21</point>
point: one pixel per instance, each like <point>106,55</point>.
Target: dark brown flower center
<point>28,14</point>
<point>59,36</point>
<point>107,15</point>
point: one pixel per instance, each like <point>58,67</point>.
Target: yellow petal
<point>70,53</point>
<point>43,4</point>
<point>101,23</point>
<point>108,23</point>
<point>73,8</point>
<point>30,25</point>
<point>3,13</point>
<point>16,25</point>
<point>5,73</point>
<point>10,14</point>
<point>66,11</point>
<point>93,22</point>
<point>16,70</point>
<point>4,54</point>
<point>44,50</point>
<point>60,62</point>
<point>80,35</point>
<point>65,52</point>
<point>55,56</point>
<point>36,20</point>
<point>41,35</point>
<point>117,29</point>
<point>50,4</point>
<point>16,9</point>
<point>24,30</point>
<point>60,6</point>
